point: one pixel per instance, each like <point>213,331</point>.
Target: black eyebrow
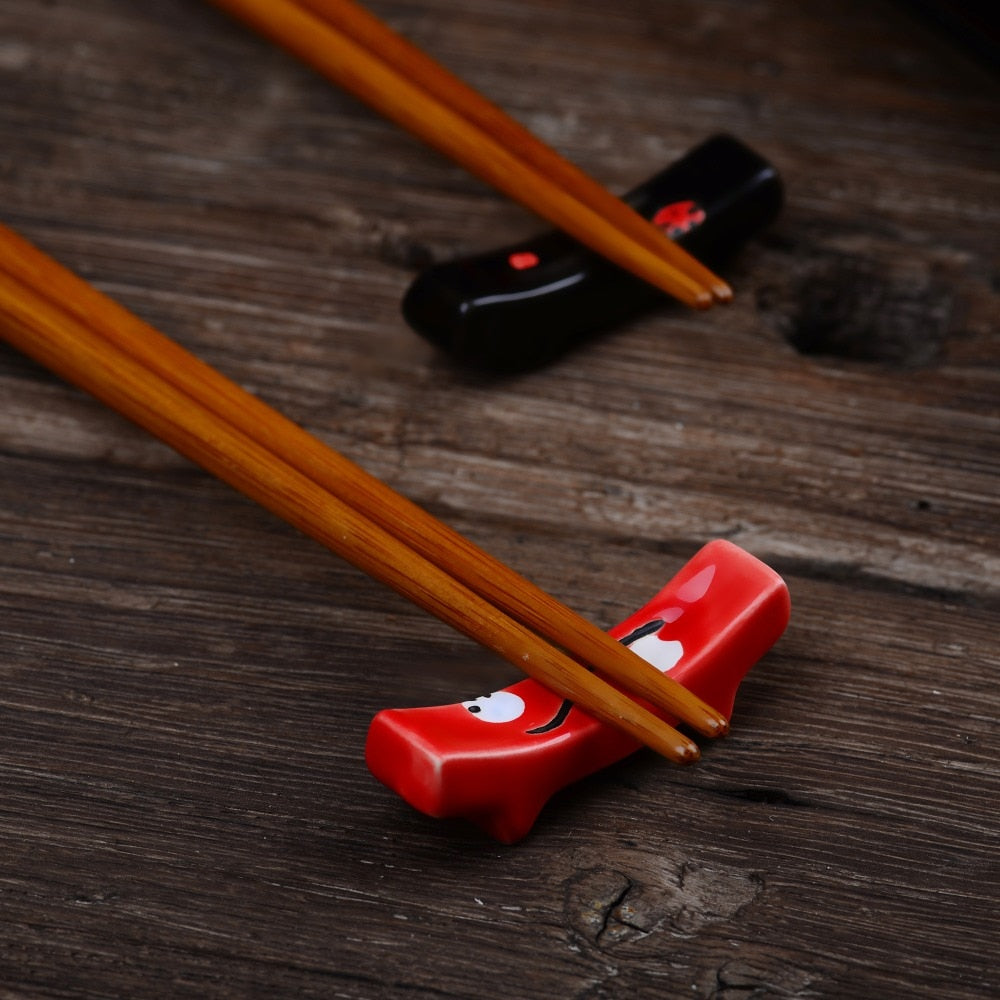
<point>643,630</point>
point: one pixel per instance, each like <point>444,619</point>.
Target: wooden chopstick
<point>444,86</point>
<point>65,324</point>
<point>355,51</point>
<point>417,529</point>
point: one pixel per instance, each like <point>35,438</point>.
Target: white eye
<point>501,706</point>
<point>664,654</point>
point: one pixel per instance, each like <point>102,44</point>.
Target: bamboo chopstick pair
<point>354,49</point>
<point>67,325</point>
<point>64,323</point>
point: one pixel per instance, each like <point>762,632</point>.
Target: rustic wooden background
<point>186,683</point>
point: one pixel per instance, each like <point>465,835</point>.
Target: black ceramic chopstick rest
<point>521,306</point>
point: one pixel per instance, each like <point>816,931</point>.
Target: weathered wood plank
<point>185,683</point>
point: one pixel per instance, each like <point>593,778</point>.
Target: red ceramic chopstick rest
<point>497,759</point>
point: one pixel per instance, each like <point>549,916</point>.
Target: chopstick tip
<point>722,292</point>
<point>670,743</point>
<point>716,724</point>
<point>702,299</point>
<point>685,752</point>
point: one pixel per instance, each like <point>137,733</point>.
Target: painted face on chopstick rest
<point>524,709</point>
<point>519,715</point>
<point>528,714</point>
<point>651,641</point>
<point>529,710</point>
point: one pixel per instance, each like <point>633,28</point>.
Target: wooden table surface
<point>186,682</point>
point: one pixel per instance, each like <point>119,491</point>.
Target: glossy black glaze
<point>486,312</point>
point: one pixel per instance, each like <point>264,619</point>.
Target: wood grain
<point>185,682</point>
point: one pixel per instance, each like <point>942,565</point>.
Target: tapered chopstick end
<point>722,292</point>
<point>715,724</point>
<point>684,751</point>
<point>702,299</point>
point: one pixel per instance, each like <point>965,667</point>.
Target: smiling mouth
<point>555,722</point>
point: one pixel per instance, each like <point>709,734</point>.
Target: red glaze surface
<point>496,760</point>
